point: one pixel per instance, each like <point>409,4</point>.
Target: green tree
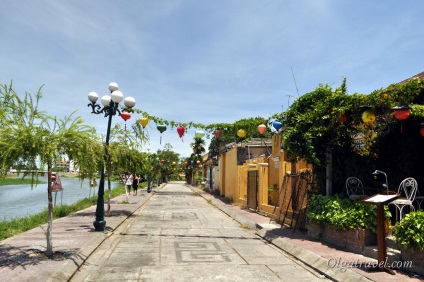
<point>29,135</point>
<point>198,147</point>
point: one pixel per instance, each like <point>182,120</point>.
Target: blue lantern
<point>277,125</point>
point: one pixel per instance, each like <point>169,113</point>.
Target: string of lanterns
<point>401,113</point>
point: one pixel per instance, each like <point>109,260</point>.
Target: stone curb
<point>311,259</point>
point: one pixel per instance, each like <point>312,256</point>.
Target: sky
<point>209,61</point>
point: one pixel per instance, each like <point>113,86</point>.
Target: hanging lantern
<point>161,128</point>
<point>401,112</point>
<point>343,118</point>
<point>125,116</point>
<point>368,116</point>
<point>143,121</point>
<point>277,125</point>
<point>181,130</point>
<point>186,163</point>
<point>198,162</point>
<point>162,161</point>
<point>218,133</point>
<point>422,129</point>
<point>199,134</point>
<point>261,129</point>
<point>241,133</point>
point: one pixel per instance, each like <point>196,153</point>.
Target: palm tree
<point>198,147</point>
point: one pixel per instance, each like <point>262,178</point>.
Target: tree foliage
<point>314,124</point>
<point>29,135</point>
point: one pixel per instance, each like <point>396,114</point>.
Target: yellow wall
<point>231,175</point>
<point>262,185</point>
<point>271,171</point>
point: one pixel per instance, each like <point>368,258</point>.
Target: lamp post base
<point>149,183</point>
<point>99,224</point>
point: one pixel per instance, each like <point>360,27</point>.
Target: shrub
<point>410,230</point>
<point>342,213</point>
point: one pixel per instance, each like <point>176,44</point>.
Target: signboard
<point>358,141</point>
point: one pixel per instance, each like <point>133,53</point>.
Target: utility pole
<point>288,102</point>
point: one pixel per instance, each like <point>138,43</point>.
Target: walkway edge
<point>70,267</point>
<point>311,259</point>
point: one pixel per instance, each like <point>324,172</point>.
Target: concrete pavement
<point>174,235</point>
<point>178,236</point>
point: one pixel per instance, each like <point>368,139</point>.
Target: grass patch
<point>20,225</point>
<point>18,181</point>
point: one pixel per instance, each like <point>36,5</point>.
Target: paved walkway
<point>174,219</point>
<point>178,236</point>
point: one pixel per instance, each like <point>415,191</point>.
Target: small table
<point>380,201</point>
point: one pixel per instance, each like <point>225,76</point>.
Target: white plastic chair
<point>407,190</point>
<point>354,188</point>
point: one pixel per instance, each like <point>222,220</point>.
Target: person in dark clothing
<point>136,180</point>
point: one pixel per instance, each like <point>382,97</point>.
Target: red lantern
<point>401,113</point>
<point>343,118</point>
<point>181,130</point>
<point>186,163</point>
<point>218,133</point>
<point>198,162</point>
<point>125,116</point>
<point>261,129</point>
<point>422,129</point>
<point>162,161</point>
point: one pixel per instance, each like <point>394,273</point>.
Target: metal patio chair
<point>407,190</point>
<point>354,188</point>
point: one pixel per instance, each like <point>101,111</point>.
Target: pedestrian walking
<point>128,180</point>
<point>135,182</point>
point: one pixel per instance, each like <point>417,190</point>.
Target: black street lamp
<point>149,177</point>
<point>109,109</point>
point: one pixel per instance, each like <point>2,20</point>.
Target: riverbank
<point>19,181</point>
<point>20,225</point>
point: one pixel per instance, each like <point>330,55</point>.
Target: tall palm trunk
<point>49,251</point>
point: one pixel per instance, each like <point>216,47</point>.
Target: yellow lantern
<point>241,133</point>
<point>368,116</point>
<point>144,121</point>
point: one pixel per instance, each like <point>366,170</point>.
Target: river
<point>17,201</point>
